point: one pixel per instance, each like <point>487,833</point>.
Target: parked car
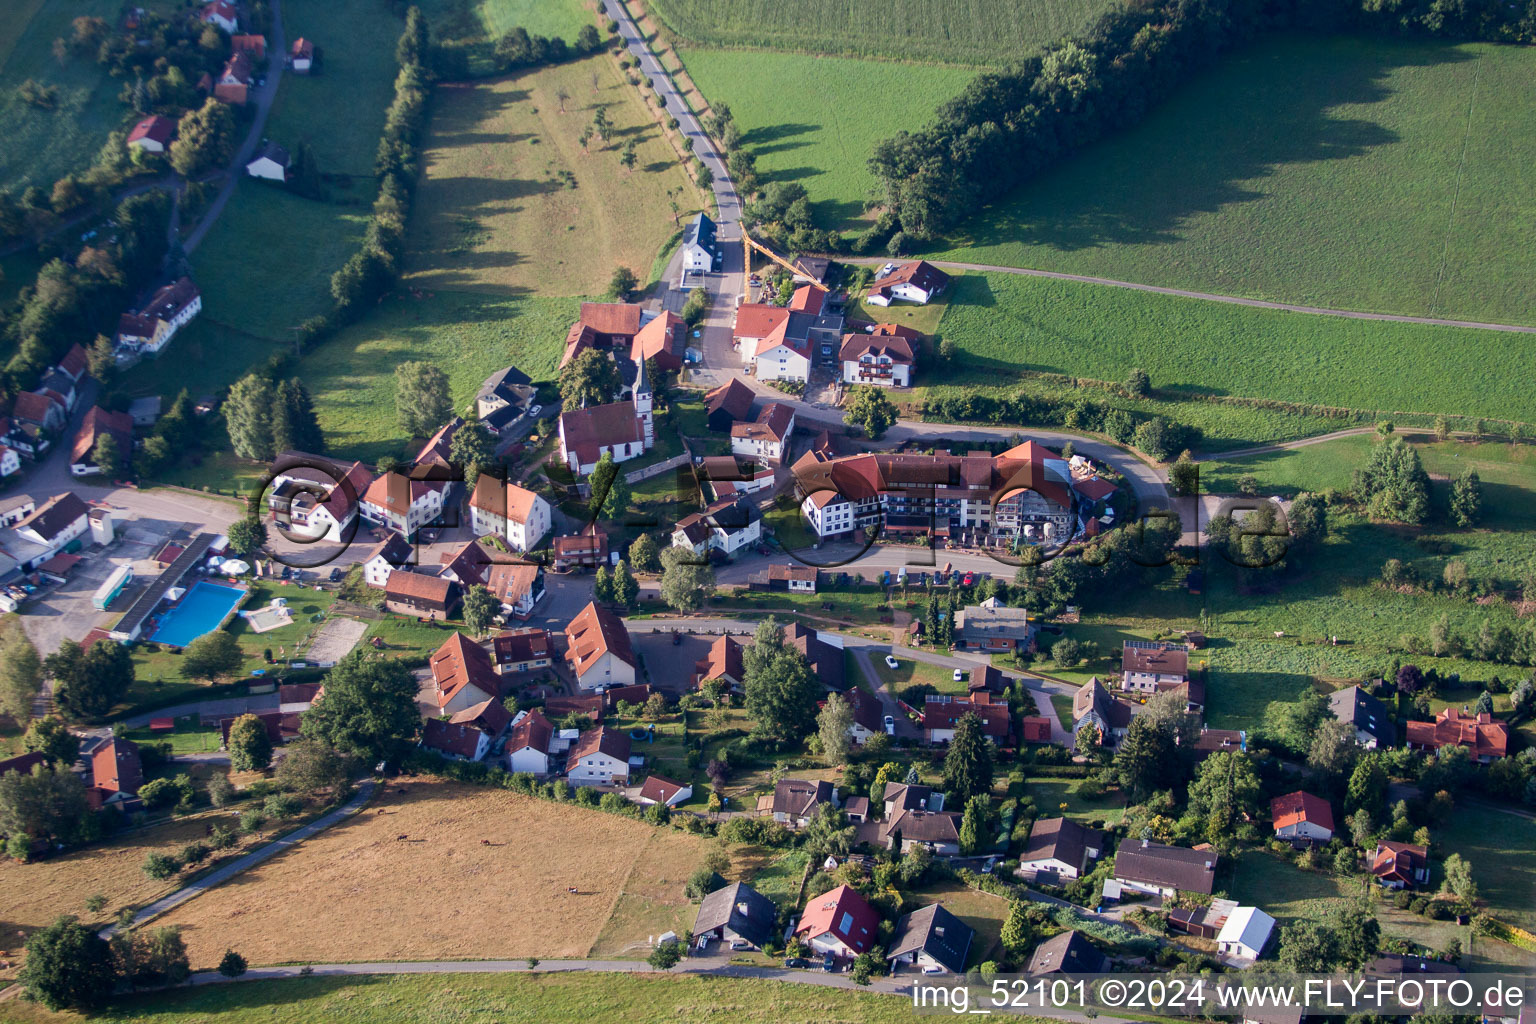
<point>891,662</point>
<point>336,573</point>
<point>740,944</point>
<point>959,676</point>
<point>677,638</point>
<point>534,410</point>
<point>970,578</point>
<point>797,962</point>
<point>829,964</point>
<point>890,726</point>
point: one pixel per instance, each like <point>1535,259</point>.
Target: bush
<point>160,866</point>
<point>194,853</point>
<point>283,805</point>
<point>221,838</point>
<point>233,964</point>
<point>252,820</point>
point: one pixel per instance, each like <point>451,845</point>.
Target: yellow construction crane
<point>748,243</point>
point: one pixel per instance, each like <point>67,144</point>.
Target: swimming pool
<point>199,611</point>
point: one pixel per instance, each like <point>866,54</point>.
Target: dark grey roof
<point>742,909</point>
<point>1067,953</point>
<point>934,931</point>
<point>700,230</point>
<point>502,383</point>
<point>1060,839</point>
<point>55,515</point>
<point>1179,867</point>
<point>1358,708</point>
<point>801,797</point>
<point>277,154</point>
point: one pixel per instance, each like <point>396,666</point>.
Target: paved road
<point>251,859</point>
<point>264,98</point>
<point>1235,300</point>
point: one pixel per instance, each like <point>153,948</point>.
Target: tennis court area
<point>202,609</point>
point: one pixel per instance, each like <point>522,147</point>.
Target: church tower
<point>642,399</point>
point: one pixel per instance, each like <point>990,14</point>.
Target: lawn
<point>924,318</point>
<point>816,120</point>
<point>1354,172</point>
<point>475,25</point>
<point>651,899</point>
<point>1051,793</point>
<point>1499,846</point>
<point>779,878</point>
<point>189,736</point>
<point>511,202</point>
<point>467,336</point>
<point>385,896</point>
<point>983,911</point>
<point>453,998</point>
<point>910,673</point>
<point>1286,892</point>
<point>1004,323</point>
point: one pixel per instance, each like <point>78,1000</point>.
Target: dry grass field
<point>483,873</point>
<point>510,200</point>
<point>32,895</point>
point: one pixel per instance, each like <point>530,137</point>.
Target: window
<point>846,924</point>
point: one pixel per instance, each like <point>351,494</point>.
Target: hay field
<point>510,201</point>
<point>32,895</point>
<point>442,893</point>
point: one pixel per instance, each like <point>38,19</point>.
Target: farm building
<point>420,595</point>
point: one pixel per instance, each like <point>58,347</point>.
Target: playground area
<point>383,875</point>
<point>273,616</point>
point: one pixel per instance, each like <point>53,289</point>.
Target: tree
<point>685,583</point>
<point>1225,791</point>
<point>21,678</point>
<point>644,555</point>
<point>48,805</point>
<point>364,278</point>
<point>232,965</point>
<point>473,449</point>
<point>1153,437</point>
<point>1138,384</point>
<point>975,825</point>
<point>627,159</point>
<point>610,492</point>
<point>415,43</point>
<point>480,608</point>
<point>1458,879</point>
<point>1184,474</point>
<point>247,536</point>
<point>295,427</point>
<point>870,408</point>
<point>968,763</point>
<point>1308,520</point>
<point>1146,760</point>
<point>626,589</point>
<point>780,691</point>
<point>828,834</point>
<point>248,417</point>
<point>250,749</point>
<point>211,655</point>
<point>832,725</point>
<point>421,398</point>
<point>666,955</point>
<point>1333,749</point>
<point>1291,724</point>
<point>1018,933</point>
<point>89,682</point>
<point>589,379</point>
<point>621,283</point>
<point>602,585</point>
<point>369,710</point>
<point>205,139</point>
<point>1393,484</point>
<point>1367,788</point>
<point>158,958</point>
<point>1467,499</point>
<point>68,966</point>
<point>101,358</point>
<point>107,456</point>
<point>51,738</point>
<point>309,766</point>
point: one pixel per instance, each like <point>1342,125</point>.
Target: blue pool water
<point>199,611</point>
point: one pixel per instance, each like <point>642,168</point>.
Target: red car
<point>968,580</point>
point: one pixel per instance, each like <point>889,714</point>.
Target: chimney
<point>939,931</point>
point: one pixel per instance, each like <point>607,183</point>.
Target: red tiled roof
<point>855,345</point>
<point>532,731</point>
<point>419,587</point>
<point>733,396</point>
<point>772,423</point>
<point>1295,808</point>
<point>758,320</point>
<point>99,421</point>
<point>1483,735</point>
<point>115,767</point>
<point>154,128</point>
<point>919,273</point>
<point>34,407</point>
<point>946,714</point>
<point>661,789</point>
<point>1398,860</point>
<point>395,492</point>
<point>1094,489</point>
<point>664,339</point>
<point>1155,660</point>
<point>451,737</point>
<point>460,662</point>
<point>807,299</point>
<point>587,430</point>
<point>1035,729</point>
<point>520,645</point>
<point>723,662</point>
<point>489,716</point>
<point>302,48</point>
<point>602,740</point>
<point>594,632</point>
<point>617,318</point>
<point>501,498</point>
<point>845,915</point>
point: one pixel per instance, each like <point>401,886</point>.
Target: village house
<point>528,744</point>
<point>824,652</point>
<point>1148,667</point>
<point>147,331</point>
<point>942,715</point>
<point>1245,934</point>
<point>600,757</point>
<point>153,134</point>
<point>932,940</point>
<point>765,439</point>
<point>14,508</point>
<point>61,387</point>
<point>993,627</point>
<point>1066,953</point>
<point>515,514</point>
<point>587,549</point>
<point>55,527</point>
<point>906,829</point>
<point>727,404</point>
<point>700,251</point>
<point>516,583</point>
<point>793,579</point>
<point>1484,737</point>
<point>722,665</point>
<point>730,477</point>
<point>663,338</point>
<point>469,734</point>
<point>904,796</point>
<point>884,356</point>
<point>782,343</point>
<point>1370,717</point>
<point>661,790</point>
<point>607,326</point>
<point>270,162</point>
<point>315,497</point>
<point>839,922</point>
<point>1214,741</point>
<point>116,773</point>
<point>75,363</point>
<point>421,596</point>
<point>1058,851</point>
<point>618,428</point>
<point>462,674</point>
<point>736,914</point>
<point>253,46</point>
<point>1094,708</point>
<point>914,281</point>
<point>726,526</point>
<point>598,649</point>
<point>795,801</point>
<point>404,502</point>
<point>1035,729</point>
<point>97,424</point>
<point>868,716</point>
<point>302,56</point>
<point>1145,866</point>
<point>1024,492</point>
<point>233,84</point>
<point>522,650</point>
<point>389,554</point>
<point>222,14</point>
<point>1302,818</point>
<point>503,398</point>
<point>1400,865</point>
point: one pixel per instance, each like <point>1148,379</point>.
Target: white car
<point>959,676</point>
<point>891,662</point>
<point>534,410</point>
<point>890,726</point>
<point>740,944</point>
